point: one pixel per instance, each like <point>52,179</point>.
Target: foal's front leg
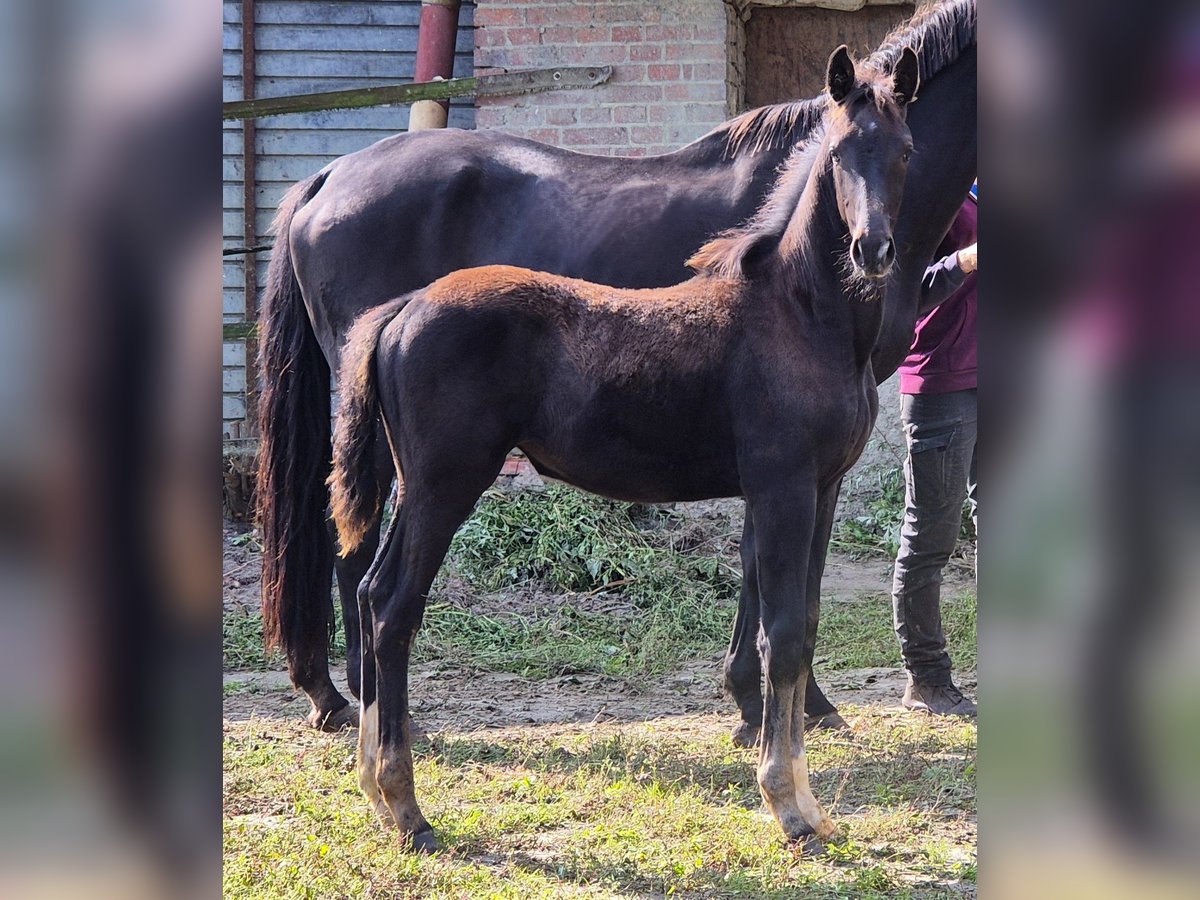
<point>785,524</point>
<point>743,665</point>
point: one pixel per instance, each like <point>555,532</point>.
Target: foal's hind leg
<point>351,570</point>
<point>434,506</point>
<point>368,732</point>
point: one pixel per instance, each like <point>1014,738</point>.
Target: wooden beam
<point>744,6</point>
<point>508,83</point>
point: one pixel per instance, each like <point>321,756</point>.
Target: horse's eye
<point>907,155</point>
<point>837,157</point>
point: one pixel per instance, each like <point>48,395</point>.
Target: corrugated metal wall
<point>304,47</point>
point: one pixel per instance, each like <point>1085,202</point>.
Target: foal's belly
<point>632,447</point>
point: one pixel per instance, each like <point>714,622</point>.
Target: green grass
<point>555,582</point>
<point>877,531</point>
<point>600,811</point>
<point>857,633</point>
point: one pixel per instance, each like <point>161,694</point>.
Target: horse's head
<point>869,146</point>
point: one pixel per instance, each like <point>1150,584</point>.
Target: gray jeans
<point>939,474</point>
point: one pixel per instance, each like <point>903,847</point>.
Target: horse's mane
<point>938,33</point>
<point>726,254</point>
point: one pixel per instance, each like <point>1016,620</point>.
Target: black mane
<point>938,33</point>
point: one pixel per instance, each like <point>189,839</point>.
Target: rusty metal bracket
<point>504,84</point>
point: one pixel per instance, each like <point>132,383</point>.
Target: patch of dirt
<point>241,566</point>
<point>445,696</point>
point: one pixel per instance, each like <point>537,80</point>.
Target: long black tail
<point>294,459</point>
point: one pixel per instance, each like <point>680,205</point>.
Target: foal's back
<point>607,333</point>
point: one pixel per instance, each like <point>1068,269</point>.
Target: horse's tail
<point>293,459</point>
<point>355,495</point>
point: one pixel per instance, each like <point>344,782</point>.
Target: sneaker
<point>939,699</point>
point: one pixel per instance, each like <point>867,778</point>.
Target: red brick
<point>495,14</point>
<point>592,54</point>
<point>593,34</point>
<point>706,113</point>
<point>560,14</point>
<point>564,115</point>
<point>670,32</point>
<point>714,71</point>
<point>662,72</point>
<point>627,34</point>
<point>626,74</point>
<point>624,115</point>
<point>675,92</point>
<point>520,37</point>
<point>595,136</point>
<point>551,136</point>
<point>646,134</point>
<point>557,34</point>
<point>489,37</point>
<point>696,52</point>
<point>632,93</point>
<point>595,115</point>
<point>645,52</point>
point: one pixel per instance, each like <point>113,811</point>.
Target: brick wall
<point>669,80</point>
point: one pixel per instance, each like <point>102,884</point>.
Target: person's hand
<point>968,259</point>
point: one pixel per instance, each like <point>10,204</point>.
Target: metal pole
<point>250,209</point>
<point>435,60</point>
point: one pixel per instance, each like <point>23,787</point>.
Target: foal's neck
<point>814,262</point>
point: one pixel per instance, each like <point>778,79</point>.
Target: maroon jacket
<point>944,356</point>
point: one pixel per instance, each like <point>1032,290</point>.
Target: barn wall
<point>669,85</point>
<point>301,47</point>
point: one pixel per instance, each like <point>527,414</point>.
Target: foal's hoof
<point>425,842</point>
<point>829,722</point>
<point>746,735</point>
<point>811,839</point>
<point>335,720</point>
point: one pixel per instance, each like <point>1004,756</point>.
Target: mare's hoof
<point>829,722</point>
<point>746,735</point>
<point>325,720</point>
<point>426,842</point>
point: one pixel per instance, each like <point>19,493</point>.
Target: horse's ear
<point>840,79</point>
<point>906,77</point>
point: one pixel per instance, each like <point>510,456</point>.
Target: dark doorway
<point>787,47</point>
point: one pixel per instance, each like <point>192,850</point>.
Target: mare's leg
<point>743,666</point>
<point>329,711</point>
<point>785,520</point>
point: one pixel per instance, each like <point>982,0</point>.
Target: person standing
<point>938,409</point>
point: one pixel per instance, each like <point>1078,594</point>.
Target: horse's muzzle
<point>873,257</point>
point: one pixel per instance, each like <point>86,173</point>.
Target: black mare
<point>751,379</point>
<point>399,214</point>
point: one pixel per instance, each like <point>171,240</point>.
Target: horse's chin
<point>866,287</point>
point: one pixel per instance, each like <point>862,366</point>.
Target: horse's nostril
<point>856,254</point>
<point>889,255</point>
